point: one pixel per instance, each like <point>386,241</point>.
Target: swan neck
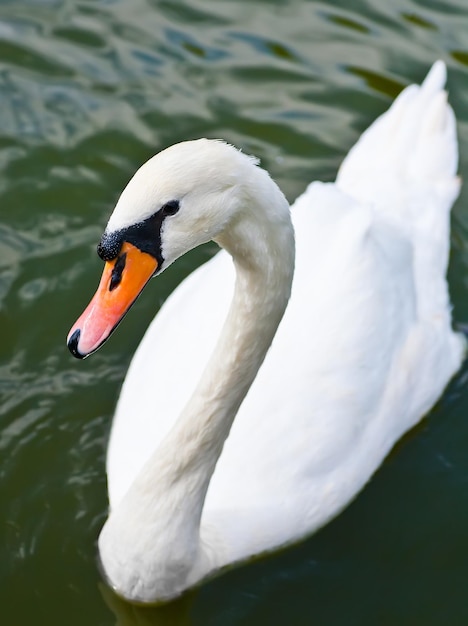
<point>166,500</point>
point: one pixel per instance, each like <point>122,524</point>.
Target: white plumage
<point>363,351</point>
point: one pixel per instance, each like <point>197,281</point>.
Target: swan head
<point>184,196</point>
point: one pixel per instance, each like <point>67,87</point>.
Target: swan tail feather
<point>413,142</point>
<point>404,167</point>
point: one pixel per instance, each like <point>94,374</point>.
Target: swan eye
<point>170,208</point>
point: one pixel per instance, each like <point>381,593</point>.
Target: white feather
<point>364,350</point>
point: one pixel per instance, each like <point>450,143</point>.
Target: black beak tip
<point>73,344</point>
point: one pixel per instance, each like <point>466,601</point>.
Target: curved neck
<point>164,505</point>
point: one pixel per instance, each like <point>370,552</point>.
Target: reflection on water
<point>177,612</point>
<point>88,91</point>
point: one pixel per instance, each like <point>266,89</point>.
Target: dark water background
<point>88,91</point>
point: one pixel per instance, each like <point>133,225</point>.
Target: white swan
<point>364,349</point>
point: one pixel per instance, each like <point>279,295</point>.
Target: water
<point>88,91</point>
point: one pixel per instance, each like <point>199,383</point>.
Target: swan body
<point>360,353</point>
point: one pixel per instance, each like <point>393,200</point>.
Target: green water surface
<point>88,91</point>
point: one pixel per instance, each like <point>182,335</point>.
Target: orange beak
<point>121,283</point>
